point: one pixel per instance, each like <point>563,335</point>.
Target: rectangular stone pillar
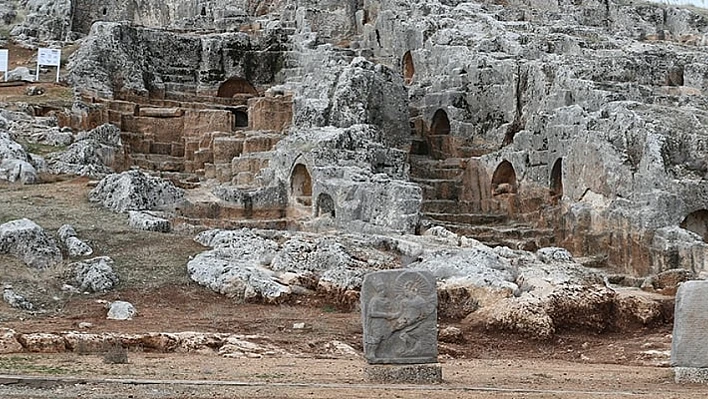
<point>399,314</point>
<point>689,347</point>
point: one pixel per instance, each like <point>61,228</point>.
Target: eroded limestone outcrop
<point>29,242</point>
<point>94,153</point>
<point>135,190</point>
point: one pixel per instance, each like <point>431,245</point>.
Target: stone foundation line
<point>26,379</point>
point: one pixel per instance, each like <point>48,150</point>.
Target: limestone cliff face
<point>612,94</point>
<point>119,57</point>
<point>589,118</point>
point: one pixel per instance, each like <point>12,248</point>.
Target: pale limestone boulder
<point>94,153</point>
<point>74,246</point>
<point>136,191</point>
<point>121,310</point>
<point>16,300</point>
<point>95,275</point>
<point>29,242</point>
<point>148,222</point>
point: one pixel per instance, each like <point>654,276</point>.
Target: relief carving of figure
<point>400,321</point>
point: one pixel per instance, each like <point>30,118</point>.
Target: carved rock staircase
<point>442,184</point>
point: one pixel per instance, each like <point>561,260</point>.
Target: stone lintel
<point>404,374</point>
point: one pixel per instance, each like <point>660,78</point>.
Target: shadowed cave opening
<point>301,185</point>
<point>697,222</point>
<point>556,187</point>
<point>408,68</point>
<point>325,205</point>
<point>234,86</point>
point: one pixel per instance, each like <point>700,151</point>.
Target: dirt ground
<point>152,269</point>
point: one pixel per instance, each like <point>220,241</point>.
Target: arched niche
<point>697,222</point>
<point>300,182</point>
<point>325,205</point>
<point>240,118</point>
<point>408,68</point>
<point>440,124</point>
<point>504,179</point>
<point>556,181</point>
<point>235,86</point>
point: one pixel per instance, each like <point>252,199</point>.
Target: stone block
<point>161,148</point>
<point>688,347</point>
<point>404,374</point>
<point>223,172</point>
<point>226,148</point>
<point>199,122</point>
<point>260,143</point>
<point>177,150</point>
<point>270,113</point>
<point>690,375</point>
<point>399,314</point>
<point>162,112</point>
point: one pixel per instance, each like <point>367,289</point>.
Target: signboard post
<point>4,56</point>
<point>48,57</point>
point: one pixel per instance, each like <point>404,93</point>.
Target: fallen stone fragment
<point>15,300</point>
<point>121,310</point>
<point>135,191</point>
<point>29,242</point>
<point>95,275</point>
<point>75,246</point>
<point>146,221</point>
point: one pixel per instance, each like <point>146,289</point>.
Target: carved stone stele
<point>399,314</point>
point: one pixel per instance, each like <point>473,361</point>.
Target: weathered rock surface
<point>74,245</point>
<point>250,266</point>
<point>8,342</point>
<point>148,222</point>
<point>42,342</point>
<point>93,153</point>
<point>16,300</point>
<point>20,73</point>
<point>15,163</point>
<point>44,21</point>
<point>29,242</point>
<point>95,275</point>
<point>135,191</point>
<point>121,310</point>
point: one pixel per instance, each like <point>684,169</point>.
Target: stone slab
<point>399,315</point>
<point>404,374</point>
<point>689,347</point>
<point>691,375</point>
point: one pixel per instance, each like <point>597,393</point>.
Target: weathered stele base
<point>691,375</point>
<point>404,374</point>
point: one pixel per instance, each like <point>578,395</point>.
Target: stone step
<point>449,206</point>
<point>525,238</point>
<point>467,218</point>
<point>439,188</point>
<point>231,224</point>
<point>165,163</point>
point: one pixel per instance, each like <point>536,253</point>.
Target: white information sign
<point>48,57</point>
<point>4,56</point>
